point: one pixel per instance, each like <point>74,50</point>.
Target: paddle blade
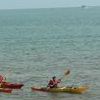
<point>67,72</point>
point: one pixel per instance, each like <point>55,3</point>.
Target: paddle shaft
<point>66,73</point>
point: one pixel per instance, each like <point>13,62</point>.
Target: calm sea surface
<point>36,44</point>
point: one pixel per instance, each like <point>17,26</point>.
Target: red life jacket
<point>53,83</point>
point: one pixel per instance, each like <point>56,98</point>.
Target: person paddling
<point>2,79</point>
<point>53,83</point>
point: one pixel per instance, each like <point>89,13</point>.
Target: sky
<point>21,4</point>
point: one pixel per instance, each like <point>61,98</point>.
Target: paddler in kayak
<point>53,83</point>
<point>2,80</point>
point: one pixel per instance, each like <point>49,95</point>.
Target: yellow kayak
<point>76,90</point>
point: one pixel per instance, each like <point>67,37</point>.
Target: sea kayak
<point>5,90</point>
<point>12,85</point>
<point>76,90</point>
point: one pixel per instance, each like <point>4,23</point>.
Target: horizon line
<point>47,7</point>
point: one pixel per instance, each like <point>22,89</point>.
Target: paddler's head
<point>54,77</point>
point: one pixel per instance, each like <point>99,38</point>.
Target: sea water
<point>36,44</point>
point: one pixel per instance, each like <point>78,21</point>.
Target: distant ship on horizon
<point>83,6</point>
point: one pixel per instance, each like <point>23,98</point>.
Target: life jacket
<point>53,83</point>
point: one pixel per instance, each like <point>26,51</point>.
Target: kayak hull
<point>76,90</point>
<point>4,90</point>
<point>11,85</point>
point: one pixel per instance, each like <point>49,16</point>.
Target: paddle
<point>26,80</point>
<point>66,73</point>
<point>53,84</point>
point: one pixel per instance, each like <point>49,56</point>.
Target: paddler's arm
<point>59,80</point>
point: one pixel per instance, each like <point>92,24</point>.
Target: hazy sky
<point>17,4</point>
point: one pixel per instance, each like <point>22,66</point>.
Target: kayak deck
<point>76,90</point>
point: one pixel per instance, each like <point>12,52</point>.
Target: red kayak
<point>12,85</point>
<point>5,90</point>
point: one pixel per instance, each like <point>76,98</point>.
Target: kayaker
<point>2,79</point>
<point>53,83</point>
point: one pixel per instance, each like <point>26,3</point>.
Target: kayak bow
<point>76,90</point>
